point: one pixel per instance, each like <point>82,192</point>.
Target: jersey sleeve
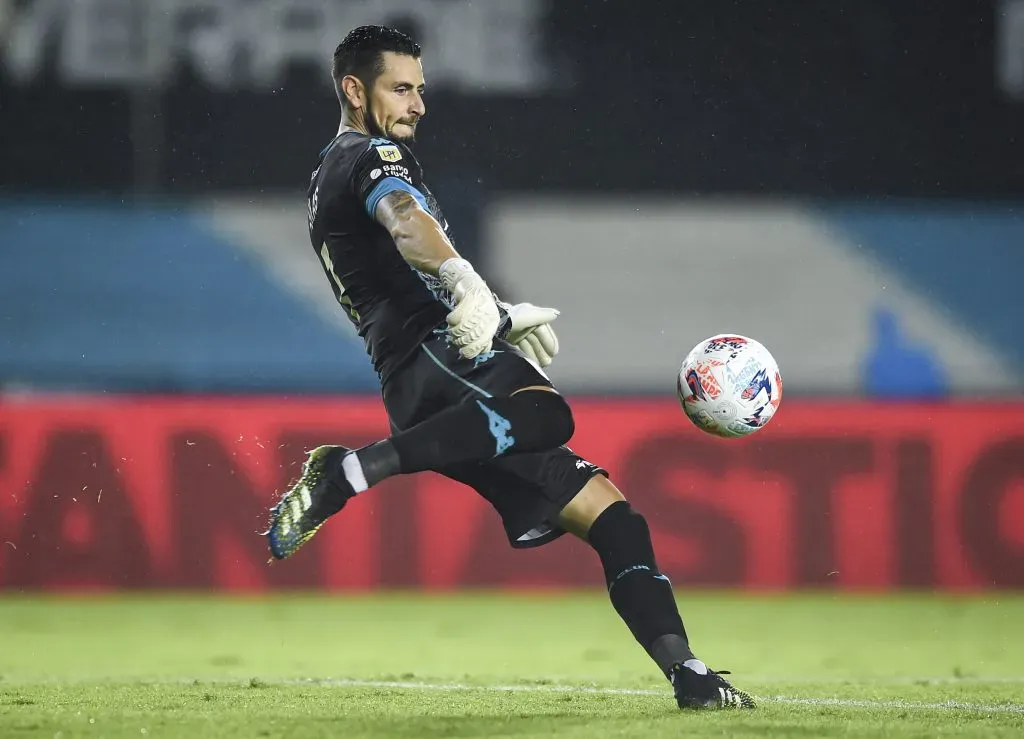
<point>384,168</point>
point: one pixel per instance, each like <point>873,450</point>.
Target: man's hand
<point>531,331</point>
<point>475,318</point>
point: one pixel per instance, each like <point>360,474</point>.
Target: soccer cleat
<point>316,496</point>
<point>696,686</point>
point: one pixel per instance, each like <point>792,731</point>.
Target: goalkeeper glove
<point>475,317</point>
<point>530,330</point>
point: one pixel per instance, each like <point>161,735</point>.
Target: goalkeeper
<point>460,372</point>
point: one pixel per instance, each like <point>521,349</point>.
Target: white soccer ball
<point>729,385</point>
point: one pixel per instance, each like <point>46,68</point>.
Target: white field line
<point>595,690</point>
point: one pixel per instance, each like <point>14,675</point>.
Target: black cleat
<point>317,495</point>
<point>696,686</point>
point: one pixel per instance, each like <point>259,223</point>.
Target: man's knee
<point>620,521</point>
<point>551,410</point>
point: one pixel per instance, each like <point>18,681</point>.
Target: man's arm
<point>422,243</point>
<point>418,236</point>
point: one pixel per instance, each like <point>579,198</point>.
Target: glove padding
<point>531,331</point>
<point>475,318</point>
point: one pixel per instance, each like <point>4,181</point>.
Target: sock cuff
<point>353,472</point>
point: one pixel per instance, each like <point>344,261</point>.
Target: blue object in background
<point>898,367</point>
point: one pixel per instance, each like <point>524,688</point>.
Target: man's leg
<point>531,419</point>
<point>641,594</point>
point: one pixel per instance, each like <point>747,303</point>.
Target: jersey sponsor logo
<point>375,174</point>
<point>389,153</point>
<point>397,170</point>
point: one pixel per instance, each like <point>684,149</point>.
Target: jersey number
<point>343,299</point>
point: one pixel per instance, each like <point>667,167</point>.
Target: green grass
<point>499,665</point>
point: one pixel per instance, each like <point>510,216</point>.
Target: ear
<point>354,92</point>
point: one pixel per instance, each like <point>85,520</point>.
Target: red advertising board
<point>151,492</point>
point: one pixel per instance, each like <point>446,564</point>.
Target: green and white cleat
<point>318,494</point>
<point>697,687</point>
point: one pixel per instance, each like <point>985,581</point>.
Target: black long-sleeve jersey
<point>392,305</point>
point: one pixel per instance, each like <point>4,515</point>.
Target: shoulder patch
<point>389,153</point>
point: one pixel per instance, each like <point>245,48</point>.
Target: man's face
<point>395,103</point>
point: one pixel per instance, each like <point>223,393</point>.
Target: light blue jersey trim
<point>389,185</point>
<point>464,382</point>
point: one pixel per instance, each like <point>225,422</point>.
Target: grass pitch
<point>488,665</point>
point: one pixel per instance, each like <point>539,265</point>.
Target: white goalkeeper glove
<point>531,331</point>
<point>475,318</point>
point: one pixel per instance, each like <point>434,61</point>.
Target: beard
<point>375,130</point>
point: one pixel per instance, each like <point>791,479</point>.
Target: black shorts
<point>527,490</point>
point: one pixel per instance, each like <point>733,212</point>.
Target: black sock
<point>641,595</point>
<point>530,421</point>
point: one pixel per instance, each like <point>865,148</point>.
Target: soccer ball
<point>729,386</point>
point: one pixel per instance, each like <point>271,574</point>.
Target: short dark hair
<point>361,54</point>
